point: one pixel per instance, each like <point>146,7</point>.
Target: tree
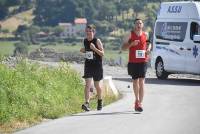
<point>139,7</point>
<point>51,12</point>
<point>107,11</point>
<point>104,27</point>
<point>3,11</point>
<point>46,29</point>
<point>33,30</point>
<point>25,37</point>
<point>58,30</point>
<point>20,30</point>
<point>124,6</point>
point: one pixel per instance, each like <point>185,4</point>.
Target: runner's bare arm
<point>99,50</point>
<point>127,43</point>
<point>149,46</point>
<point>82,50</point>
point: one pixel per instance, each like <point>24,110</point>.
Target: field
<point>7,48</point>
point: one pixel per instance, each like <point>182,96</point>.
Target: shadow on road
<point>107,113</point>
<point>170,81</point>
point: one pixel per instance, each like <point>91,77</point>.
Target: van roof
<point>183,9</point>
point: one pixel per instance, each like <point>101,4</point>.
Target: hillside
<point>13,22</point>
<point>114,20</point>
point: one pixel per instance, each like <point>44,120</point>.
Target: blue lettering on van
<point>174,9</point>
<point>195,51</point>
<point>170,50</point>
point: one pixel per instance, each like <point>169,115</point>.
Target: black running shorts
<point>94,71</point>
<point>137,70</point>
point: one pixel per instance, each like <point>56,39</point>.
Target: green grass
<point>112,54</point>
<point>30,93</point>
<point>65,47</point>
<point>6,48</point>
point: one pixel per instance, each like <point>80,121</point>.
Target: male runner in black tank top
<point>93,68</point>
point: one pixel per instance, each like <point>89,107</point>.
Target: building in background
<point>80,24</point>
<point>77,29</point>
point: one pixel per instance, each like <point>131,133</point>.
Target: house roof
<point>80,21</point>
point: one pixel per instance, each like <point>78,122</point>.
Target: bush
<point>21,49</point>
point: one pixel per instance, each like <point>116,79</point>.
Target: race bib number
<point>89,55</point>
<point>140,53</point>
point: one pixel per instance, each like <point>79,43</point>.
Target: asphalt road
<point>170,107</point>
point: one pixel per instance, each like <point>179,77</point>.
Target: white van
<point>176,39</point>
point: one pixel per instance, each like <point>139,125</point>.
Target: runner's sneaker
<point>99,104</point>
<point>86,106</point>
<point>138,106</point>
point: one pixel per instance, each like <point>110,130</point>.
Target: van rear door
<point>193,50</point>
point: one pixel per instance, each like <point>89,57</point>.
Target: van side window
<point>194,29</point>
<point>173,31</point>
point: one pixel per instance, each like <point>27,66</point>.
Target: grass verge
<point>30,93</point>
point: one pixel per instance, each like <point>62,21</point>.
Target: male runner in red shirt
<point>136,42</point>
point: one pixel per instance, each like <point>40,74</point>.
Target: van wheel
<point>160,71</point>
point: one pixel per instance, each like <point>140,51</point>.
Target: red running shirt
<point>137,54</point>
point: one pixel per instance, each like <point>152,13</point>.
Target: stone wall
<point>46,54</point>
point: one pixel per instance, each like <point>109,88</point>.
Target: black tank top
<point>93,66</point>
<point>96,57</point>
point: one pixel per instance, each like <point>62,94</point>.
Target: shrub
<point>21,49</point>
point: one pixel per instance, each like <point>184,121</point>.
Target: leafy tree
<point>138,7</point>
<point>107,11</point>
<point>25,37</point>
<point>104,27</point>
<point>124,6</point>
<point>20,30</point>
<point>33,30</point>
<point>51,12</point>
<point>57,30</point>
<point>3,9</point>
<point>9,3</point>
<point>46,29</point>
<point>87,8</point>
<point>5,4</point>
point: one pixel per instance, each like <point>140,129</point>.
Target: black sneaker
<point>99,104</point>
<point>86,106</point>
